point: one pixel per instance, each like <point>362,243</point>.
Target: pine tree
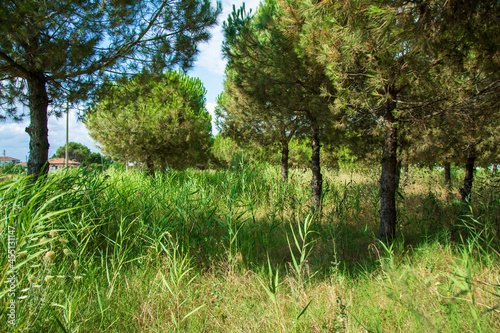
<point>377,66</point>
<point>292,90</point>
<point>155,120</point>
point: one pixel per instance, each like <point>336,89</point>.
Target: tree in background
<point>464,38</point>
<point>76,152</point>
<point>82,154</point>
<point>253,107</point>
<point>249,119</point>
<point>56,52</point>
<point>156,120</point>
<point>399,64</point>
<point>280,91</point>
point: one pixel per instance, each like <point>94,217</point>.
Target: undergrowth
<point>239,251</point>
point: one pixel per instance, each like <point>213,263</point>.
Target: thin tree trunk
<point>494,169</point>
<point>389,179</point>
<point>447,173</point>
<point>38,130</point>
<point>317,178</point>
<point>466,190</point>
<point>284,157</point>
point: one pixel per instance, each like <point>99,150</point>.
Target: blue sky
<point>209,67</point>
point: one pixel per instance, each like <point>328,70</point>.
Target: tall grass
<point>232,251</point>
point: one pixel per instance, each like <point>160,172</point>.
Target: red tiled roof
<point>8,158</point>
<point>61,161</point>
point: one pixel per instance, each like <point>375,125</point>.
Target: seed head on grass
<point>50,255</point>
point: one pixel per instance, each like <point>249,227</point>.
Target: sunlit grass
<point>238,251</point>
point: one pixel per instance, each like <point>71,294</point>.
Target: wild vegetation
<point>401,79</point>
<point>228,251</point>
<point>368,95</point>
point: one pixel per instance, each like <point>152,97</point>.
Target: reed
<point>227,251</point>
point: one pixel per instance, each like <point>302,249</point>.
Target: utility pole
<point>67,125</point>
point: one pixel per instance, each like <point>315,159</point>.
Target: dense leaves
<point>76,152</point>
<point>156,120</point>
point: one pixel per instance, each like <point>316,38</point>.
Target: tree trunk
<point>447,173</point>
<point>150,166</point>
<point>38,130</point>
<point>466,190</point>
<point>494,169</point>
<point>317,178</point>
<point>389,178</point>
<point>284,157</point>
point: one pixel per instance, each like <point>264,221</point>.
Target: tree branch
<point>15,65</point>
<point>120,51</point>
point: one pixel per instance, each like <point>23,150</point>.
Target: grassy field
<point>237,251</point>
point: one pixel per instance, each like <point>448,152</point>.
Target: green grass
<point>238,251</point>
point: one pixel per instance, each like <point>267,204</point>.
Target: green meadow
<point>239,251</point>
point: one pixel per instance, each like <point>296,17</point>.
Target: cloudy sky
<point>209,67</point>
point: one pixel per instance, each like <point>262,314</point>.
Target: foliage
<point>76,152</point>
<point>12,168</point>
<point>281,91</point>
<point>152,119</point>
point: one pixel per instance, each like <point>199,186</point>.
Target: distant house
<point>55,164</point>
<point>59,163</point>
<point>7,159</point>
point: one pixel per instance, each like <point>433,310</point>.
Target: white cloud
<point>77,133</point>
<point>14,140</point>
<point>210,56</point>
<point>211,109</point>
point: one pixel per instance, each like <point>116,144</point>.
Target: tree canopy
<point>76,152</point>
<point>156,120</point>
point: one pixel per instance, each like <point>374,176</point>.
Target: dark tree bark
<point>389,178</point>
<point>494,169</point>
<point>466,190</point>
<point>317,178</point>
<point>38,130</point>
<point>284,157</point>
<point>150,166</point>
<point>447,173</point>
